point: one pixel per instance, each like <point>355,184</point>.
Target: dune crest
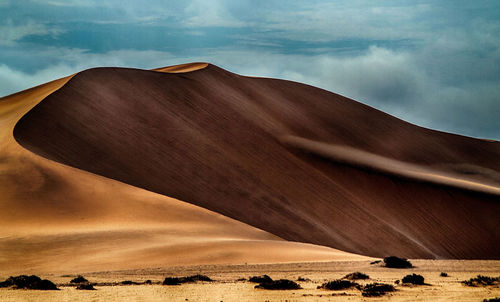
<point>212,138</point>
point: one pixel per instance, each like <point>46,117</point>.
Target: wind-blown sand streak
<point>363,159</point>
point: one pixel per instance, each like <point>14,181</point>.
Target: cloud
<point>436,64</point>
<point>10,32</point>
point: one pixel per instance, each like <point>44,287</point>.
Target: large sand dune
<point>57,218</point>
<point>296,161</point>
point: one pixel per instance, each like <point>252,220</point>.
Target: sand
<point>57,218</point>
<point>243,167</point>
<point>260,151</point>
<point>226,288</point>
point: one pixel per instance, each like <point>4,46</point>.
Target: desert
<point>125,174</point>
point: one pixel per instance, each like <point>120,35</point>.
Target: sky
<point>433,63</point>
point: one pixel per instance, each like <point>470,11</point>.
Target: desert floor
<point>226,288</point>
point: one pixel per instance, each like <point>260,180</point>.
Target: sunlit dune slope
<point>57,218</point>
<point>294,160</point>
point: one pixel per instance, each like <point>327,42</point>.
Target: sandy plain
<point>226,288</point>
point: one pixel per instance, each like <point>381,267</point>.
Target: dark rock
<point>443,275</point>
<point>148,282</point>
<point>376,261</point>
<point>28,282</point>
<point>260,279</point>
<point>282,284</point>
<point>376,289</point>
<point>356,276</point>
<point>302,279</point>
<point>414,279</point>
<point>79,279</point>
<point>338,285</point>
<point>492,300</point>
<point>396,262</point>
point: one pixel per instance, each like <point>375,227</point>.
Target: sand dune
<point>57,218</point>
<point>215,139</point>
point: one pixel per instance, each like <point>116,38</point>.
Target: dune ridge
<point>215,139</point>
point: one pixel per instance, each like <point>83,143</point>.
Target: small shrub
<point>190,279</point>
<point>85,286</point>
<point>128,282</point>
<point>199,278</point>
<point>376,289</point>
<point>282,284</point>
<point>338,285</point>
<point>482,281</point>
<point>396,262</point>
<point>414,279</point>
<point>260,279</point>
<point>79,279</point>
<point>356,276</point>
<point>28,282</point>
<point>443,274</point>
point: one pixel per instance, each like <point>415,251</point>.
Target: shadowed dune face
<point>221,141</point>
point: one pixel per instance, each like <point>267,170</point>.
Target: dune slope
<point>297,161</point>
<point>55,218</point>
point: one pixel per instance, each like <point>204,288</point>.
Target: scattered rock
<point>338,285</point>
<point>356,276</point>
<point>79,279</point>
<point>85,286</point>
<point>396,262</point>
<point>28,282</point>
<point>282,284</point>
<point>443,274</point>
<point>260,279</point>
<point>302,279</point>
<point>481,280</point>
<point>414,279</point>
<point>376,289</point>
<point>396,282</point>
